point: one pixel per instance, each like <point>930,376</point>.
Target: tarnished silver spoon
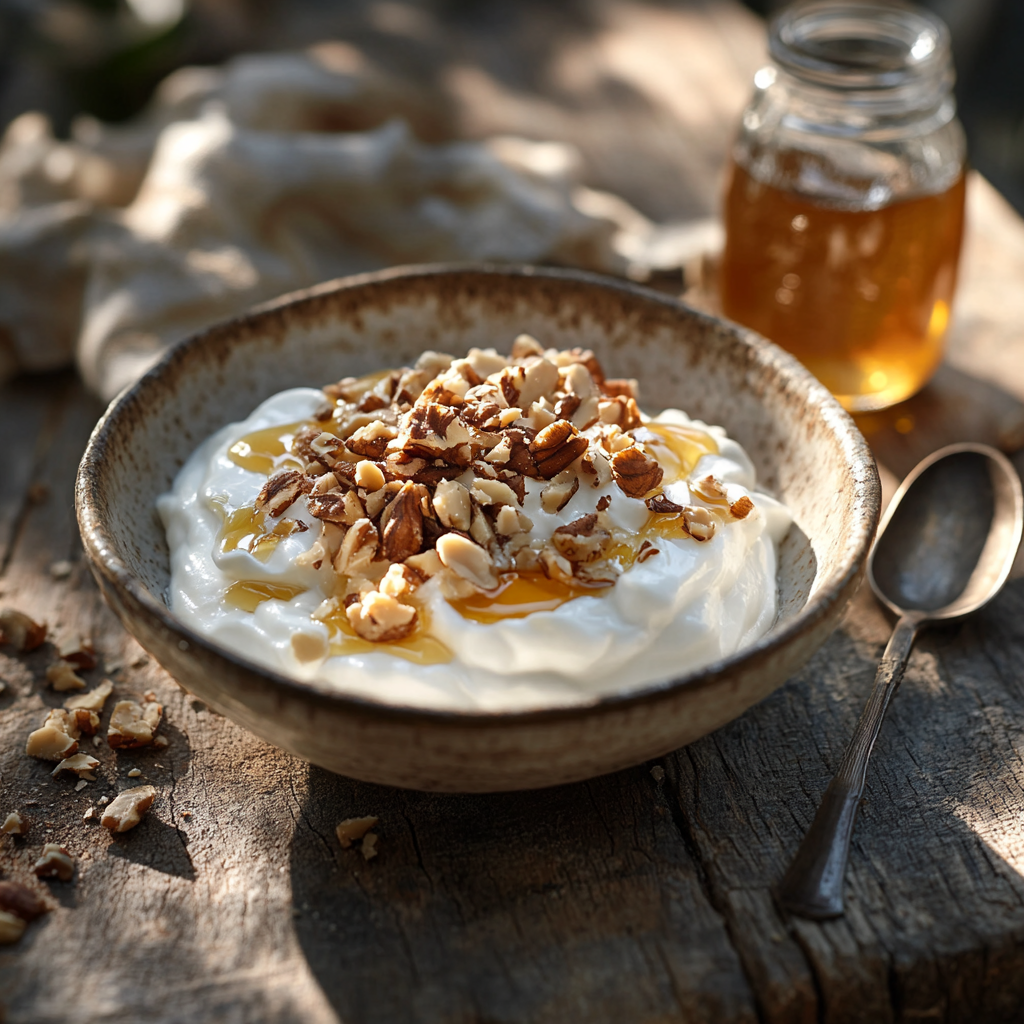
<point>944,548</point>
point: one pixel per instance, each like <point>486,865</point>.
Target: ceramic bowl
<point>803,444</point>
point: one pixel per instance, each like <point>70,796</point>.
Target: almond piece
<point>125,811</point>
<point>427,563</point>
<point>468,560</point>
<point>369,476</point>
<point>636,472</point>
<point>493,492</point>
<point>20,631</point>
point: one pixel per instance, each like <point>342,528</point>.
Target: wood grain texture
<point>628,898</point>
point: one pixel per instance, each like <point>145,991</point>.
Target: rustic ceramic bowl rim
<point>865,498</point>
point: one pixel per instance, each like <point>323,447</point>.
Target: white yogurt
<point>688,606</point>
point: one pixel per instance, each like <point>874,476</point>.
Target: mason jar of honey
<point>844,209</point>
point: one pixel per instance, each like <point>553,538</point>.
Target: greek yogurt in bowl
<point>492,533</point>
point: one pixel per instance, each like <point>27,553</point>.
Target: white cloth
<point>273,173</point>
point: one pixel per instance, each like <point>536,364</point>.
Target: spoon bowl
<point>944,548</point>
<point>947,541</point>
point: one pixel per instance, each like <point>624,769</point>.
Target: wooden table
<point>640,897</point>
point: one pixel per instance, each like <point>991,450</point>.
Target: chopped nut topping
<point>741,508</point>
<point>14,825</point>
<point>709,488</point>
<point>280,491</point>
<point>468,560</point>
<point>659,503</point>
<point>581,540</point>
<point>636,472</point>
<point>56,739</point>
<point>125,811</point>
<point>93,700</point>
<point>358,549</point>
<point>62,677</point>
<point>369,847</point>
<point>83,765</point>
<point>353,829</point>
<point>379,617</point>
<point>132,725</point>
<point>555,447</point>
<point>452,505</point>
<point>55,862</point>
<point>21,632</point>
<point>698,522</point>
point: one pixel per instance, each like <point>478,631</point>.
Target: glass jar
<point>845,204</point>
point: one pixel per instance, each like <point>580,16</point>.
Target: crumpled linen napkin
<point>274,173</point>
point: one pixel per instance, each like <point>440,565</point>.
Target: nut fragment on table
<point>83,765</point>
<point>20,631</point>
<point>369,847</point>
<point>133,725</point>
<point>20,901</point>
<point>353,829</point>
<point>55,862</point>
<point>62,677</point>
<point>125,811</point>
<point>12,928</point>
<point>76,649</point>
<point>14,825</point>
<point>56,739</point>
<point>93,700</point>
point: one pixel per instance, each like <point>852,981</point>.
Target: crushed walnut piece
<point>20,631</point>
<point>55,862</point>
<point>93,700</point>
<point>76,649</point>
<point>56,738</point>
<point>125,811</point>
<point>83,765</point>
<point>20,901</point>
<point>351,830</point>
<point>62,677</point>
<point>133,725</point>
<point>14,825</point>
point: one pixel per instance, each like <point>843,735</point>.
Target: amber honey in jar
<point>844,208</point>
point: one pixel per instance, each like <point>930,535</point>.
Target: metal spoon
<point>944,548</point>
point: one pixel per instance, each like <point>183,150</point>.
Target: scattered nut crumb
<point>55,862</point>
<point>62,677</point>
<point>11,928</point>
<point>61,570</point>
<point>83,765</point>
<point>75,648</point>
<point>80,785</point>
<point>127,808</point>
<point>96,741</point>
<point>20,631</point>
<point>149,695</point>
<point>657,773</point>
<point>132,725</point>
<point>369,847</point>
<point>134,773</point>
<point>20,901</point>
<point>56,739</point>
<point>14,825</point>
<point>89,814</point>
<point>93,700</point>
<point>161,742</point>
<point>103,800</point>
<point>352,829</point>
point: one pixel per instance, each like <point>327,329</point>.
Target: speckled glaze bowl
<point>804,445</point>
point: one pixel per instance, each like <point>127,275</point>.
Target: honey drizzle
<point>420,648</point>
<point>248,595</point>
<point>247,529</point>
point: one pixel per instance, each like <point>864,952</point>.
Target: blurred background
<point>103,58</point>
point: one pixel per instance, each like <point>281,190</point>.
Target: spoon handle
<point>813,885</point>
